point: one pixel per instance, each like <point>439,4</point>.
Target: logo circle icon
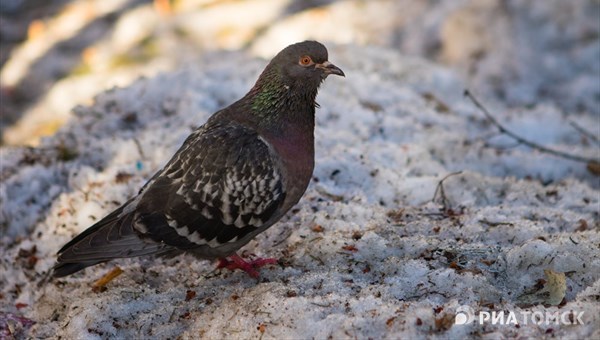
<point>464,315</point>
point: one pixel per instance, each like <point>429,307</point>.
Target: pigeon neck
<point>282,108</point>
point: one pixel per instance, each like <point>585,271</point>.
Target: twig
<point>333,197</point>
<point>100,284</point>
<point>283,240</point>
<point>440,188</point>
<point>495,224</point>
<point>321,305</point>
<point>522,140</point>
<point>503,147</point>
<point>318,259</point>
<point>585,132</point>
<point>139,148</point>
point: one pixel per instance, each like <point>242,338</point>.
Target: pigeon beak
<point>328,68</point>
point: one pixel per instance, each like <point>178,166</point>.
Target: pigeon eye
<point>305,60</point>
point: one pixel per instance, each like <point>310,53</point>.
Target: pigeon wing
<point>222,185</point>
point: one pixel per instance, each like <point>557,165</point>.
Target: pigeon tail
<point>110,238</point>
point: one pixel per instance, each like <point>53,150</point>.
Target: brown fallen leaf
<point>350,248</point>
<point>190,294</point>
<point>445,322</point>
<point>123,177</point>
<point>100,285</point>
<point>594,168</point>
<point>583,225</point>
<point>317,228</point>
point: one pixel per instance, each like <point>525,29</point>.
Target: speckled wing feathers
<point>221,185</point>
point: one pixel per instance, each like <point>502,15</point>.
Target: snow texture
<point>369,252</point>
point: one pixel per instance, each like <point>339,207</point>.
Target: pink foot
<point>236,262</point>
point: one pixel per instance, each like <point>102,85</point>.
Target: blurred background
<point>56,54</point>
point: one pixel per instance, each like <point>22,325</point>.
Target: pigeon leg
<point>236,262</point>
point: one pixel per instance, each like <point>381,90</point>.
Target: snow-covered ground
<point>374,249</point>
<point>369,252</point>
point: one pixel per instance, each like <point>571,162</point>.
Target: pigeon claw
<point>236,262</point>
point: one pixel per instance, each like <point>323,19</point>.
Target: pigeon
<point>233,177</point>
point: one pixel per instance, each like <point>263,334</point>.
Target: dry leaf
<point>594,168</point>
<point>317,228</point>
<point>552,293</point>
<point>190,294</point>
<point>100,285</point>
<point>556,286</point>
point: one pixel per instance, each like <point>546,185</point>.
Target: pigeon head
<point>291,80</point>
<point>305,62</point>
